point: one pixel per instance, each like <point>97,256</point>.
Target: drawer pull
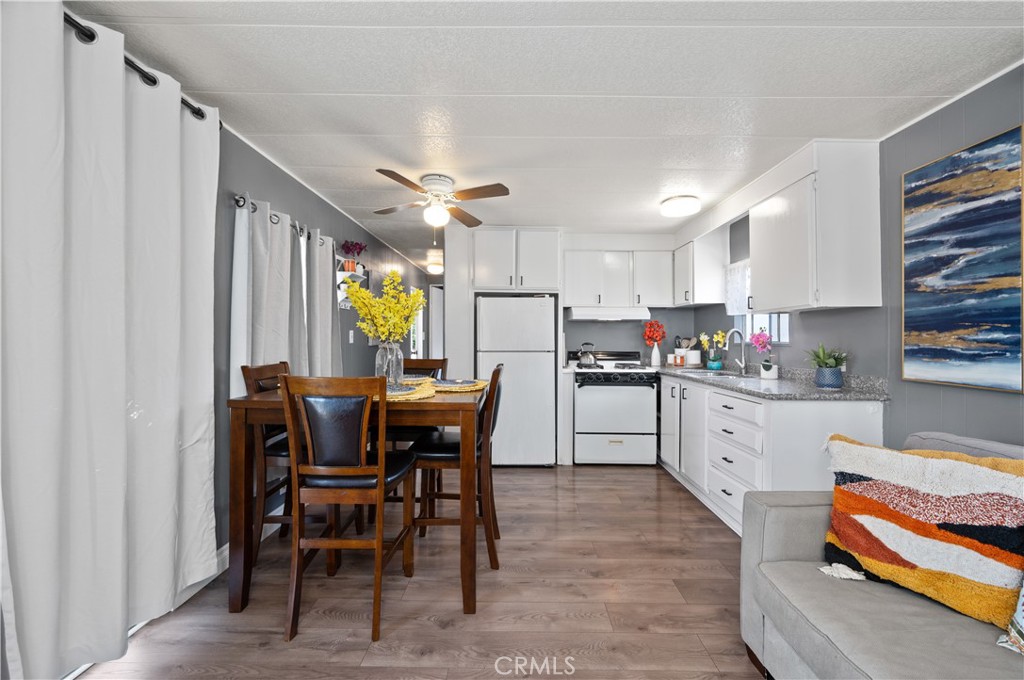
<point>727,460</point>
<point>728,408</point>
<point>727,493</point>
<point>727,431</point>
<point>615,442</point>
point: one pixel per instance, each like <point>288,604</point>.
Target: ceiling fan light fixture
<point>680,206</point>
<point>435,268</point>
<point>436,215</point>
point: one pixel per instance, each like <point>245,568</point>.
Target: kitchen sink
<point>713,374</point>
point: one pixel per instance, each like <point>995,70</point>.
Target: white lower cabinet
<point>668,422</point>
<point>732,444</point>
<point>617,449</point>
<point>693,434</point>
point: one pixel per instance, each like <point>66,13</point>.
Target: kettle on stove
<point>587,359</point>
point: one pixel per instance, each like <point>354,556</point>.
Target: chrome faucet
<point>742,361</point>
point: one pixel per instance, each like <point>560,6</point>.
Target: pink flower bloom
<point>762,341</point>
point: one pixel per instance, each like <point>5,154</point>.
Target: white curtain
<point>268,321</point>
<point>106,368</point>
<point>323,316</point>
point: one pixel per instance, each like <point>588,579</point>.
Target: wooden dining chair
<point>434,368</point>
<point>334,468</point>
<point>439,451</point>
<point>271,451</point>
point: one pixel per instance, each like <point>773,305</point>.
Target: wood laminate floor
<point>619,568</point>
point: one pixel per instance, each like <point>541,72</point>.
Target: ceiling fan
<point>438,197</point>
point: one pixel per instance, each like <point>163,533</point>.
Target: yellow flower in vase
<point>389,317</point>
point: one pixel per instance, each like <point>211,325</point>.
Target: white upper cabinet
<point>515,259</point>
<point>816,243</point>
<point>597,278</point>
<point>699,268</point>
<point>652,278</point>
<point>616,289</point>
<point>494,258</point>
<point>782,247</point>
<point>537,254</point>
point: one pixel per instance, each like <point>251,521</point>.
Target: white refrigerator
<point>519,332</point>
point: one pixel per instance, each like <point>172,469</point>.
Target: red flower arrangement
<point>654,332</point>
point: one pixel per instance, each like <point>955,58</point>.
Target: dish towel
<point>737,288</point>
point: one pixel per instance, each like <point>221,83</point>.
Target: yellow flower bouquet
<point>389,317</point>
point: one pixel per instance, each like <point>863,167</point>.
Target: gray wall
<point>628,335</point>
<point>987,111</point>
<point>244,169</point>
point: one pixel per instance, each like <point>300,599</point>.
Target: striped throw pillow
<point>949,526</point>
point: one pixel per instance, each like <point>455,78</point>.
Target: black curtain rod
<point>88,36</point>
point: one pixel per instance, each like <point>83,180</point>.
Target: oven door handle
<point>651,385</point>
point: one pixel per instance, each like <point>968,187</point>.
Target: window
<point>776,324</point>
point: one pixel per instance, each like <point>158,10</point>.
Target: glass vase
<point>389,362</point>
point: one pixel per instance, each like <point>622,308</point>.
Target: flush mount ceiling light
<point>680,206</point>
<point>435,268</point>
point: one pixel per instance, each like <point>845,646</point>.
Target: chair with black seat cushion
<point>434,368</point>
<point>271,451</point>
<point>438,451</point>
<point>334,468</point>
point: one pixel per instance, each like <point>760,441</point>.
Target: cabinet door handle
<point>728,408</point>
<point>750,302</point>
<point>686,296</point>
<point>727,431</point>
<point>638,298</point>
<point>727,493</point>
<point>520,279</point>
<point>510,279</point>
<point>727,460</point>
<point>598,298</point>
<point>682,395</point>
<point>673,391</point>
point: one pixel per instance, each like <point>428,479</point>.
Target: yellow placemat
<point>475,387</point>
<point>416,379</point>
<point>424,391</point>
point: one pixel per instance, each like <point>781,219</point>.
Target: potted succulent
<point>829,363</point>
<point>762,343</point>
<point>713,346</point>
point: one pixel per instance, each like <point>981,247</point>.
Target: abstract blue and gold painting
<point>962,267</point>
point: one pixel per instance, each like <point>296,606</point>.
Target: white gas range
<point>615,411</point>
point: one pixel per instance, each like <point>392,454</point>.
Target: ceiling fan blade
<point>463,216</point>
<point>486,191</point>
<point>391,174</point>
<point>397,208</point>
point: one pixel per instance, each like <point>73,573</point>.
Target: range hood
<point>609,314</point>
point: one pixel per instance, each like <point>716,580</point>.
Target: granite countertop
<point>792,385</point>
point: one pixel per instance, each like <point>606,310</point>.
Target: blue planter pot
<point>829,378</point>
<point>714,365</point>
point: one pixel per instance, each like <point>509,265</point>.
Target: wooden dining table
<point>457,409</point>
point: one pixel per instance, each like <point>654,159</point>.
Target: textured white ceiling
<point>591,113</point>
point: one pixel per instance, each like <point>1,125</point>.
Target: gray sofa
<point>800,623</point>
